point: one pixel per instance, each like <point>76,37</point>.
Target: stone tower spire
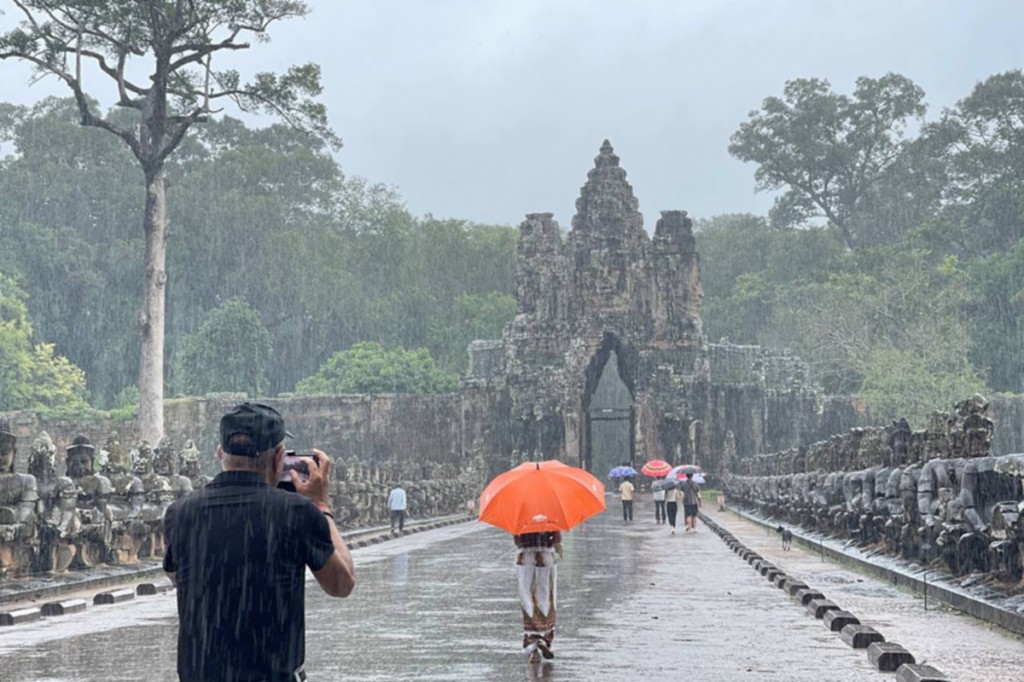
<point>608,246</point>
<point>606,207</point>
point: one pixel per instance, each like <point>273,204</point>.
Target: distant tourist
<point>537,573</point>
<point>659,506</point>
<point>238,549</point>
<point>673,499</point>
<point>627,491</point>
<point>397,505</point>
<point>691,502</point>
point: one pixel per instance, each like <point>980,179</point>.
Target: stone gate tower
<point>609,291</point>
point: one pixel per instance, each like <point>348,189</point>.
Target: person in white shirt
<point>659,506</point>
<point>397,503</point>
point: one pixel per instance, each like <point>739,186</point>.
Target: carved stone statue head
<point>165,459</point>
<point>80,457</point>
<point>42,458</point>
<point>188,460</point>
<point>142,458</point>
<point>8,447</point>
<point>119,460</point>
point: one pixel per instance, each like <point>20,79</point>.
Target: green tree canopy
<point>370,368</point>
<point>984,143</point>
<point>176,46</point>
<point>829,152</point>
<point>32,376</point>
<point>229,352</point>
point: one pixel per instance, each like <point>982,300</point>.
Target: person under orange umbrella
<point>535,502</point>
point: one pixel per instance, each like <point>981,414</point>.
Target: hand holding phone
<point>316,485</point>
<point>296,465</point>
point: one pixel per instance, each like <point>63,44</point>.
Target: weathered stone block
<point>805,595</point>
<point>913,672</point>
<point>63,608</point>
<point>818,607</point>
<point>114,596</point>
<point>793,586</point>
<point>835,621</point>
<point>148,589</point>
<point>765,567</point>
<point>778,579</point>
<point>19,616</point>
<point>888,656</point>
<point>860,636</point>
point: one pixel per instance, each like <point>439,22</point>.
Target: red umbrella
<point>656,468</point>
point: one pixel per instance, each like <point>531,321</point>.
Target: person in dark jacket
<point>238,549</point>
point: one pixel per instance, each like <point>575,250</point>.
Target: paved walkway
<point>635,603</point>
<point>962,647</point>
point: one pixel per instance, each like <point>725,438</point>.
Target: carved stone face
<point>164,461</point>
<point>119,460</point>
<point>188,460</point>
<point>79,461</point>
<point>42,458</point>
<point>8,446</point>
<point>142,458</point>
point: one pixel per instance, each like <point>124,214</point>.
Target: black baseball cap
<point>261,423</point>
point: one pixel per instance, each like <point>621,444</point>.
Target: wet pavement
<point>634,602</point>
<point>963,648</point>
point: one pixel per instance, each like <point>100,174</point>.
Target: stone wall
<point>937,495</point>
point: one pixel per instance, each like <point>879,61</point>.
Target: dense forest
<point>276,261</point>
<point>892,259</point>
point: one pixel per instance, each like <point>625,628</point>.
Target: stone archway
<point>609,409</point>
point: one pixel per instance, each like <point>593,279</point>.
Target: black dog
<point>787,538</point>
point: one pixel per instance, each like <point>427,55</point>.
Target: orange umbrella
<point>535,497</point>
<point>656,468</point>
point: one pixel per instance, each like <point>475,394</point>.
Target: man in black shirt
<point>238,550</point>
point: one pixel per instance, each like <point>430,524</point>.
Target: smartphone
<point>295,464</point>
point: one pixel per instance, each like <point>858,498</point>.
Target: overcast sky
<point>491,109</point>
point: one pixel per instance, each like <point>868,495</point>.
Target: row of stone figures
<point>962,511</point>
<point>964,433</point>
<point>107,508</point>
<point>109,505</point>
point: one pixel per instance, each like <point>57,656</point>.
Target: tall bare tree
<point>175,43</point>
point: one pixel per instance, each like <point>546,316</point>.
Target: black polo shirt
<point>239,549</point>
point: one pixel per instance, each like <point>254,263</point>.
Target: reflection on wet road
<point>441,605</point>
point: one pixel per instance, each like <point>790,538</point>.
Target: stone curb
<point>19,616</point>
<point>984,610</point>
<point>114,597</point>
<point>912,672</point>
<point>884,656</point>
<point>63,608</point>
<point>145,589</point>
<point>860,636</point>
<point>887,657</point>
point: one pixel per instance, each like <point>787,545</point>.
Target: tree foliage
<point>370,368</point>
<point>829,152</point>
<point>229,352</point>
<point>174,42</point>
<point>31,374</point>
<point>263,214</point>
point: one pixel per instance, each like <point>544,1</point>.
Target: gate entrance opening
<point>610,421</point>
